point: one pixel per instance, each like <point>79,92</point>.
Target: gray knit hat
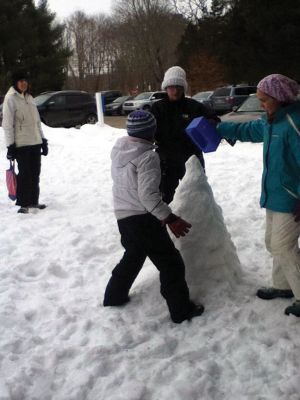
<point>175,76</point>
<point>141,124</point>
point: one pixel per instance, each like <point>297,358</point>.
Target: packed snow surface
<point>58,342</point>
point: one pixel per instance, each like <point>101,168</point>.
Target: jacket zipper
<point>267,160</point>
<point>290,192</point>
<point>290,119</point>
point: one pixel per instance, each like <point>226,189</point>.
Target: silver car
<point>143,101</point>
<point>225,98</point>
<point>248,111</point>
<point>204,98</point>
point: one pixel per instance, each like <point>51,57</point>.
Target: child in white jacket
<point>142,217</point>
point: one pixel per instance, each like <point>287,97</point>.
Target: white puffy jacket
<point>136,177</point>
<point>21,121</point>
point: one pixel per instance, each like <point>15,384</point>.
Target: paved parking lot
<point>116,121</point>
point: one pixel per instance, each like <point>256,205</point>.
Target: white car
<point>143,101</point>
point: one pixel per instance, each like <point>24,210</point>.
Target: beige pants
<point>282,234</point>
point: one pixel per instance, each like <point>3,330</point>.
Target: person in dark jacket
<point>173,115</point>
<point>279,130</point>
<point>25,140</point>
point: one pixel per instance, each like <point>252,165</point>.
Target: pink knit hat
<point>279,87</point>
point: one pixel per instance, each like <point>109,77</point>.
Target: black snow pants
<point>28,178</point>
<point>142,236</point>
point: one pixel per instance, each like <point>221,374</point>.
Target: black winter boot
<point>23,210</point>
<point>39,206</point>
<point>293,309</point>
<point>115,303</point>
<point>269,293</point>
<point>196,311</point>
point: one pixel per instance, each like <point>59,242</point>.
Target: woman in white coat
<point>25,141</point>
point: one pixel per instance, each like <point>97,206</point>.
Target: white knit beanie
<point>174,76</point>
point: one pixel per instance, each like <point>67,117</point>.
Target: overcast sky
<point>63,8</point>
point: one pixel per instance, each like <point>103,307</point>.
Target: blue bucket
<point>203,134</point>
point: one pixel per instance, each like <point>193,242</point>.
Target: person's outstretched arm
<point>252,131</point>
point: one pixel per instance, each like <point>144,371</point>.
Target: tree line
<point>217,42</point>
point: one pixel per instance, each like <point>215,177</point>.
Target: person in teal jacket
<point>279,130</point>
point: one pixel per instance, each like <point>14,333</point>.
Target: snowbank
<point>57,342</point>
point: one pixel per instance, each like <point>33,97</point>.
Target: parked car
<point>110,96</point>
<point>204,98</point>
<point>225,98</point>
<point>116,107</point>
<point>67,108</point>
<point>143,101</point>
<point>249,110</point>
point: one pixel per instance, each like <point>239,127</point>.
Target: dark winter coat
<point>172,118</point>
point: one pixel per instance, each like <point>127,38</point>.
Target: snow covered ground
<point>57,342</point>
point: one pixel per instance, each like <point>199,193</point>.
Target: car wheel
<point>147,108</point>
<point>91,119</point>
<point>44,122</point>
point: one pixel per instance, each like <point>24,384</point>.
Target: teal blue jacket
<point>280,188</point>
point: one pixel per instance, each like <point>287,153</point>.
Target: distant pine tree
<point>31,39</point>
<point>260,37</point>
<point>250,39</point>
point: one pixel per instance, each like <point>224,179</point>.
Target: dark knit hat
<point>19,75</point>
<point>141,124</point>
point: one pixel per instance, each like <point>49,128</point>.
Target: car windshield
<point>251,104</point>
<point>143,96</point>
<point>42,98</point>
<point>222,92</point>
<point>120,99</point>
<point>202,95</point>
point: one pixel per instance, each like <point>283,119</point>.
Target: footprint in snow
<point>57,271</point>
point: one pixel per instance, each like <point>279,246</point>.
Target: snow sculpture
<point>208,252</point>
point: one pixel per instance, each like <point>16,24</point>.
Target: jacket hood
<point>13,91</point>
<point>127,149</point>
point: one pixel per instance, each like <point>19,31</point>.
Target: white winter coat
<point>136,177</point>
<point>21,121</point>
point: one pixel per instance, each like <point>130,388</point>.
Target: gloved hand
<point>11,152</point>
<point>214,121</point>
<point>178,226</point>
<point>232,142</point>
<point>44,147</point>
<point>297,212</point>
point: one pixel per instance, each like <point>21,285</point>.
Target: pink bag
<point>11,181</point>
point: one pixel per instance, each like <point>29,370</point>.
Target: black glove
<point>11,152</point>
<point>231,141</point>
<point>44,147</point>
<point>297,212</point>
<point>215,122</point>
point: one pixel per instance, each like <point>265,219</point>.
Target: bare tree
<point>91,40</point>
<point>149,33</point>
<point>193,10</point>
<point>131,49</point>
